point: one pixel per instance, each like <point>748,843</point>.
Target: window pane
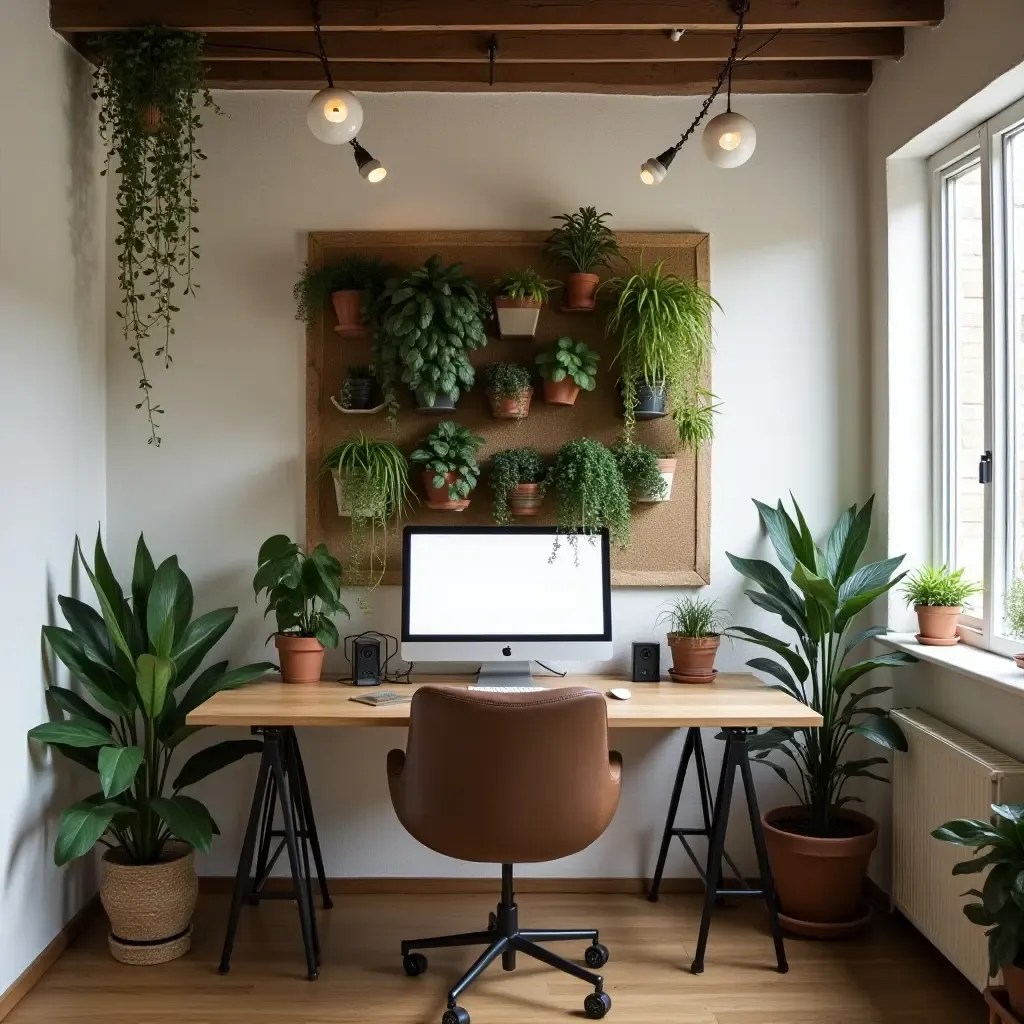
<point>1014,164</point>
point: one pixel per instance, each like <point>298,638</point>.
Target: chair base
<point>504,938</point>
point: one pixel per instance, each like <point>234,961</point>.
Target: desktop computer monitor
<point>495,595</point>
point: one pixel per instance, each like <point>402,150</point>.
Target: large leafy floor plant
<point>133,659</point>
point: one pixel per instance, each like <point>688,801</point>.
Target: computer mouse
<point>620,693</point>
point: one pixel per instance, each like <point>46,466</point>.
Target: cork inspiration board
<point>670,544</point>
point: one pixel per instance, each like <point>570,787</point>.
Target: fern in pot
<point>518,481</point>
<point>584,242</point>
<point>647,472</point>
<point>450,470</point>
<point>134,659</point>
<point>694,635</point>
<point>938,595</point>
<point>567,367</point>
<point>509,389</point>
<point>352,284</point>
<point>517,305</point>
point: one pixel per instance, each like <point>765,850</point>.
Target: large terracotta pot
<point>693,657</point>
<point>301,657</point>
<point>348,308</point>
<point>580,291</point>
<point>562,392</point>
<point>437,497</point>
<point>937,622</point>
<point>511,408</point>
<point>150,906</point>
<point>820,881</point>
<point>517,318</point>
<point>525,500</point>
<point>1013,979</point>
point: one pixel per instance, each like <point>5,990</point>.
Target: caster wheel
<point>596,955</point>
<point>596,1005</point>
<point>415,964</point>
<point>492,921</point>
<point>455,1015</point>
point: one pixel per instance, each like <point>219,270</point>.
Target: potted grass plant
<point>133,659</point>
<point>938,595</point>
<point>427,323</point>
<point>647,473</point>
<point>694,418</point>
<point>567,366</point>
<point>518,481</point>
<point>517,305</point>
<point>819,846</point>
<point>585,243</point>
<point>304,593</point>
<point>509,389</point>
<point>450,471</point>
<point>352,284</point>
<point>694,635</point>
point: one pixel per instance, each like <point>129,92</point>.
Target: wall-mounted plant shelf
<point>358,412</point>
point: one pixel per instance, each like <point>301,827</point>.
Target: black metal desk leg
<point>673,809</point>
<point>307,813</point>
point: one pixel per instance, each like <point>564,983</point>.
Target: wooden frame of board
<point>672,541</point>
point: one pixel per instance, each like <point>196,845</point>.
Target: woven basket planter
<point>150,906</point>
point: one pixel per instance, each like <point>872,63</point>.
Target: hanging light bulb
<point>653,170</point>
<point>729,139</point>
<point>372,170</point>
<point>334,116</point>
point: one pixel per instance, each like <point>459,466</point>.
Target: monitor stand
<point>505,673</point>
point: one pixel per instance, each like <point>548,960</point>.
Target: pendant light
<point>729,139</point>
<point>372,170</point>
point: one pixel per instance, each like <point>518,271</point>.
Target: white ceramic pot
<point>517,318</point>
<point>668,472</point>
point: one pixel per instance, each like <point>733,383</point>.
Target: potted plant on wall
<point>357,390</point>
<point>647,473</point>
<point>304,593</point>
<point>428,323</point>
<point>353,284</point>
<point>820,847</point>
<point>450,471</point>
<point>518,481</point>
<point>938,594</point>
<point>520,295</point>
<point>694,635</point>
<point>694,418</point>
<point>509,389</point>
<point>133,662</point>
<point>565,367</point>
<point>585,243</point>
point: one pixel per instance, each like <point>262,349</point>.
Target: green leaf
<point>182,606</point>
<point>774,520</point>
<point>856,541</point>
<point>105,576</point>
<point>111,611</point>
<point>869,577</point>
<point>854,605</point>
<point>977,914</point>
<point>211,682</point>
<point>142,581</point>
<point>69,701</point>
<point>152,678</point>
<point>187,818</point>
<point>78,732</point>
<point>795,661</point>
<point>773,668</point>
<point>797,621</point>
<point>1009,812</point>
<point>836,543</point>
<point>198,640</point>
<point>766,576</point>
<point>81,826</point>
<point>88,626</point>
<point>118,767</point>
<point>816,587</point>
<point>967,832</point>
<point>979,864</point>
<point>864,635</point>
<point>848,676</point>
<point>211,759</point>
<point>274,548</point>
<point>105,686</point>
<point>881,730</point>
<point>160,609</point>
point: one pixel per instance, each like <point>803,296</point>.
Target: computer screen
<point>501,583</point>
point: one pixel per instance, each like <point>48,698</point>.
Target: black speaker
<point>366,662</point>
<point>646,663</point>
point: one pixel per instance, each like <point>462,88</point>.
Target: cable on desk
<point>553,671</point>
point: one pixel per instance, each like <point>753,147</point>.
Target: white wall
<point>788,245</point>
<point>51,440</point>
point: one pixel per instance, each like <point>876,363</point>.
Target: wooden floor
<point>891,976</point>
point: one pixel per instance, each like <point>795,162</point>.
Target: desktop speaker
<point>646,663</point>
<point>366,662</point>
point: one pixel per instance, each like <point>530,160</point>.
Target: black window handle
<point>985,469</point>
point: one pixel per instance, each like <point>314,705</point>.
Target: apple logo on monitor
<point>507,651</point>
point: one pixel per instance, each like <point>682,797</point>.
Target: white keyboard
<point>508,689</point>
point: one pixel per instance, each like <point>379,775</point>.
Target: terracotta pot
<point>1019,660</point>
<point>348,308</point>
<point>525,499</point>
<point>302,658</point>
<point>517,318</point>
<point>150,906</point>
<point>937,622</point>
<point>1013,979</point>
<point>580,290</point>
<point>437,497</point>
<point>667,468</point>
<point>819,881</point>
<point>152,119</point>
<point>693,655</point>
<point>511,408</point>
<point>563,392</point>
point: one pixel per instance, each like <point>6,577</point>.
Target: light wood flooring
<point>891,976</point>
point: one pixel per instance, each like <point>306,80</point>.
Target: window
<point>978,234</point>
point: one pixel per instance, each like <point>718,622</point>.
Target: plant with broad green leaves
<point>692,616</point>
<point>449,448</point>
<point>584,241</point>
<point>572,359</point>
<point>525,285</point>
<point>303,590</point>
<point>366,274</point>
<point>939,586</point>
<point>133,658</point>
<point>509,469</point>
<point>638,464</point>
<point>826,589</point>
<point>1000,901</point>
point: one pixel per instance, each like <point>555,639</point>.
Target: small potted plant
<point>648,473</point>
<point>694,635</point>
<point>585,243</point>
<point>521,293</point>
<point>509,390</point>
<point>427,323</point>
<point>998,844</point>
<point>938,593</point>
<point>352,284</point>
<point>1014,613</point>
<point>304,593</point>
<point>694,418</point>
<point>133,662</point>
<point>518,481</point>
<point>565,367</point>
<point>357,389</point>
<point>450,471</point>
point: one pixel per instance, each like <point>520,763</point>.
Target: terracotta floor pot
<point>580,290</point>
<point>693,656</point>
<point>150,906</point>
<point>819,881</point>
<point>348,308</point>
<point>563,392</point>
<point>437,497</point>
<point>517,318</point>
<point>525,500</point>
<point>1013,979</point>
<point>937,622</point>
<point>667,468</point>
<point>511,408</point>
<point>301,657</point>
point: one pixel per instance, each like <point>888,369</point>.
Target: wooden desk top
<point>732,700</point>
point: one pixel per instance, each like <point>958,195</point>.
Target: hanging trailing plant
<point>150,86</point>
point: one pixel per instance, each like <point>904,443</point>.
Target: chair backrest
<point>506,778</point>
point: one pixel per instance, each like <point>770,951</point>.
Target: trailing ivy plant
<point>509,469</point>
<point>638,465</point>
<point>366,274</point>
<point>150,85</point>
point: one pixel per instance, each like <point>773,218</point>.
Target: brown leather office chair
<point>504,778</point>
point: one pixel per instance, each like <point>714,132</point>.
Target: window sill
<point>985,666</point>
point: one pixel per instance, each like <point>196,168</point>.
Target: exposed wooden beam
<point>645,79</point>
<point>556,48</point>
<point>69,16</point>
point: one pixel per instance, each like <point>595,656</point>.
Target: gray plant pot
<point>360,393</point>
<point>442,403</point>
<point>650,401</point>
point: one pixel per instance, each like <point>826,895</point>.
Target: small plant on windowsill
<point>938,594</point>
<point>450,471</point>
<point>518,481</point>
<point>509,388</point>
<point>1014,613</point>
<point>694,634</point>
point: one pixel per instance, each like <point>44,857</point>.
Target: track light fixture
<point>372,170</point>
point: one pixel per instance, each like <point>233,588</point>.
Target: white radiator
<point>945,774</point>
